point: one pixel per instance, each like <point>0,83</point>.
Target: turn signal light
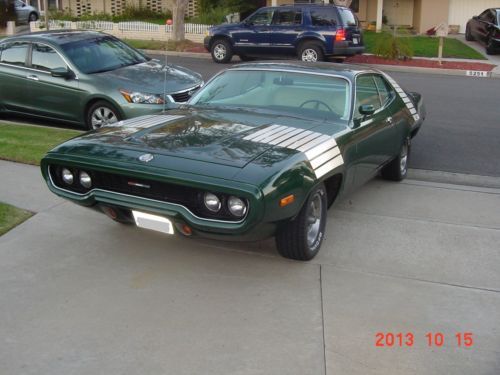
<point>289,199</point>
<point>341,35</point>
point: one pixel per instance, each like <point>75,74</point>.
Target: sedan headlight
<point>141,98</point>
<point>237,206</point>
<point>85,180</point>
<point>212,202</point>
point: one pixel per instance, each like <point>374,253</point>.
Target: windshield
<point>301,94</point>
<point>101,54</point>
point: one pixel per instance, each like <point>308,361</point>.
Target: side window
<point>262,18</point>
<point>366,94</point>
<point>14,54</point>
<point>289,17</point>
<point>45,58</point>
<point>323,17</point>
<point>385,91</point>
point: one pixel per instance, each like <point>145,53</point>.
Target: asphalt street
<point>462,130</point>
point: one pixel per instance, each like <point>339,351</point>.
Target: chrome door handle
<point>32,77</point>
<point>389,120</point>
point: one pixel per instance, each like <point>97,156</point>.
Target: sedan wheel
<point>33,17</point>
<point>101,114</point>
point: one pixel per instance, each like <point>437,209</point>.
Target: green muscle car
<point>262,150</point>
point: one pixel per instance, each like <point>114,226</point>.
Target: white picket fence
<point>190,28</point>
<point>138,26</point>
<point>95,25</point>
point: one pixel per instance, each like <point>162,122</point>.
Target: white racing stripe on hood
<point>402,94</point>
<point>320,150</point>
<point>144,122</point>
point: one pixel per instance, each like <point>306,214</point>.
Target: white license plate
<point>153,222</point>
<point>355,40</point>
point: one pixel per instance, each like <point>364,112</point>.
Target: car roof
<point>346,70</point>
<point>59,37</point>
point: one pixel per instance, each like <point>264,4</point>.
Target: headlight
<point>85,180</point>
<point>237,206</point>
<point>67,176</point>
<point>141,98</point>
<point>212,202</point>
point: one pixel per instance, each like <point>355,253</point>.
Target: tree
<point>178,13</point>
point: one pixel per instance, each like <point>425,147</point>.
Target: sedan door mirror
<point>62,73</point>
<point>366,109</point>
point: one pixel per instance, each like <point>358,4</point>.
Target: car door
<point>49,96</point>
<point>481,25</point>
<point>285,29</point>
<point>375,135</point>
<point>13,75</point>
<point>254,35</point>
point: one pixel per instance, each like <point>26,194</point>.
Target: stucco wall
<point>432,13</point>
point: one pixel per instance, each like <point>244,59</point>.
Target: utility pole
<point>46,9</point>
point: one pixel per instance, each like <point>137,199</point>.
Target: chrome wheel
<point>309,55</point>
<point>220,51</point>
<point>403,161</point>
<point>314,215</point>
<point>102,116</point>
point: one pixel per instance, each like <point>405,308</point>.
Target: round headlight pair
<point>235,205</point>
<point>69,178</point>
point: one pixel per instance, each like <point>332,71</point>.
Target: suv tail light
<point>341,35</point>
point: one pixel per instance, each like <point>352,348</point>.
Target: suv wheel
<point>311,52</point>
<point>221,51</point>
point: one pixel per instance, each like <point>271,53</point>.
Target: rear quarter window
<point>323,17</point>
<point>348,17</point>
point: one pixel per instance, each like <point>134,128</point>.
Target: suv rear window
<point>348,17</point>
<point>323,17</point>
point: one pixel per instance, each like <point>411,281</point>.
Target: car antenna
<point>165,68</point>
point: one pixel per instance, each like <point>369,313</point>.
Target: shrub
<point>212,16</point>
<point>393,47</point>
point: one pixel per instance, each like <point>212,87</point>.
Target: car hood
<point>149,77</point>
<point>211,136</point>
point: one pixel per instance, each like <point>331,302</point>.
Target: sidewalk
<point>80,294</point>
<point>492,59</point>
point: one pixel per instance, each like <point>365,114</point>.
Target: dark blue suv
<point>311,32</point>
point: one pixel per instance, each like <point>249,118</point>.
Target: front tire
<point>221,51</point>
<point>301,238</point>
<point>397,170</point>
<point>490,48</point>
<point>468,34</point>
<point>100,114</point>
<point>311,52</point>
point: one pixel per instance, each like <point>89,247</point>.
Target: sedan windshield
<point>301,94</point>
<point>101,54</point>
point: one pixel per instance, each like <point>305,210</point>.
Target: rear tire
<point>221,51</point>
<point>468,34</point>
<point>397,170</point>
<point>311,52</point>
<point>100,114</point>
<point>33,17</point>
<point>301,238</point>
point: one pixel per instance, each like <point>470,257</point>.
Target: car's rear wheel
<point>468,34</point>
<point>221,51</point>
<point>301,238</point>
<point>311,52</point>
<point>33,17</point>
<point>100,114</point>
<point>397,169</point>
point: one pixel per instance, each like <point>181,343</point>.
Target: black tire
<point>292,238</point>
<point>468,34</point>
<point>397,169</point>
<point>221,51</point>
<point>33,17</point>
<point>246,58</point>
<point>490,48</point>
<point>107,117</point>
<point>311,51</point>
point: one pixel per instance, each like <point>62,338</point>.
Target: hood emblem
<point>146,158</point>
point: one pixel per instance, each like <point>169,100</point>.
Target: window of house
<point>45,58</point>
<point>323,17</point>
<point>289,17</point>
<point>14,53</point>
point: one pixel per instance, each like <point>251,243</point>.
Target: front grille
<point>188,197</point>
<point>184,96</point>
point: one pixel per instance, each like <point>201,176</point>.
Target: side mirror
<point>62,73</point>
<point>366,109</point>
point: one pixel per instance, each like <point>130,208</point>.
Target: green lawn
<point>28,144</point>
<point>11,216</point>
<point>424,46</point>
<point>159,45</point>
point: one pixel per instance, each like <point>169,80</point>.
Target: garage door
<point>462,10</point>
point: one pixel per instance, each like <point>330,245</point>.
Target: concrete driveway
<point>80,294</point>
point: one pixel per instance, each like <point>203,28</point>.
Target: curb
<point>389,68</point>
<point>454,178</point>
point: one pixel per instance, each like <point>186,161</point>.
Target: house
<point>419,14</point>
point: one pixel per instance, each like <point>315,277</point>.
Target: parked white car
<point>26,13</point>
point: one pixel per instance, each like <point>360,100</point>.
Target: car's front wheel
<point>397,169</point>
<point>100,114</point>
<point>468,34</point>
<point>301,238</point>
<point>490,47</point>
<point>221,51</point>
